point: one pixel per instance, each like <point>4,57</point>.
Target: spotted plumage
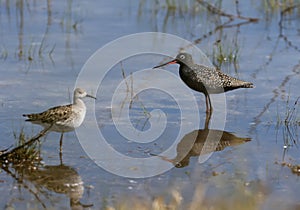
<point>59,115</point>
<point>205,79</point>
<point>62,118</point>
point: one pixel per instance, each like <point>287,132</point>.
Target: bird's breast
<point>191,80</point>
<point>79,115</point>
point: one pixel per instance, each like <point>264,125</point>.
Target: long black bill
<point>91,96</point>
<point>170,62</point>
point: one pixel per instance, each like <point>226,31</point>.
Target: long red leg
<point>60,142</point>
<point>209,108</point>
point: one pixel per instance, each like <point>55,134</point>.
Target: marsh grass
<point>26,153</point>
<point>225,53</point>
<point>29,48</point>
<point>290,123</point>
<point>291,113</point>
<point>35,51</point>
<point>271,6</point>
<point>172,6</point>
<point>134,99</point>
<point>21,156</point>
<point>182,6</point>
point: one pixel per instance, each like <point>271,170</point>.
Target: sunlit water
<point>68,33</point>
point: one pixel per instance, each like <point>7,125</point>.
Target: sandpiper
<point>204,79</point>
<point>63,118</point>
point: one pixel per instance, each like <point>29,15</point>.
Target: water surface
<point>43,48</point>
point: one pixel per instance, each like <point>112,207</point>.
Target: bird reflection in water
<point>201,142</point>
<point>25,166</point>
<point>60,179</point>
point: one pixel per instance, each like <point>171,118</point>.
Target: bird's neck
<point>184,67</point>
<point>77,101</point>
<point>184,70</point>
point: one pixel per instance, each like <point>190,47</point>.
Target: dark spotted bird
<point>204,79</point>
<point>62,118</point>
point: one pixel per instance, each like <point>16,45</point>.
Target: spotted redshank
<point>206,80</point>
<point>62,118</point>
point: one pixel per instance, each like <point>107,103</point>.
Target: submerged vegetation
<point>25,154</point>
<point>272,6</point>
<point>225,54</point>
<point>25,45</point>
<point>290,123</point>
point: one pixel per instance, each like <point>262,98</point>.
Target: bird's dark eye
<point>182,57</point>
<point>178,165</point>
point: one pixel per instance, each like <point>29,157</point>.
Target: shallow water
<point>43,48</point>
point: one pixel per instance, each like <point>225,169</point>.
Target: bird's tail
<point>31,117</point>
<point>247,85</point>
